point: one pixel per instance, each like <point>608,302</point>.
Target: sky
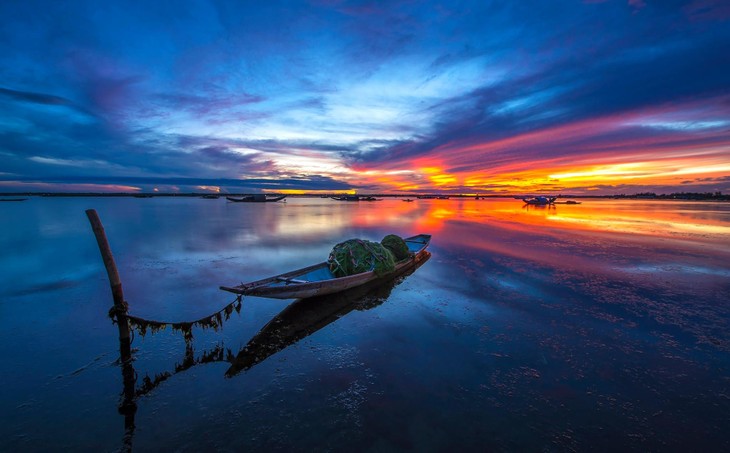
<point>593,97</point>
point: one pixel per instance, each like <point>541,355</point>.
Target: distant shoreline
<point>674,196</point>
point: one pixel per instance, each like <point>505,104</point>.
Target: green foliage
<point>397,246</point>
<point>355,256</point>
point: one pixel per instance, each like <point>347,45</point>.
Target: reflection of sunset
<point>631,217</point>
<point>307,217</point>
<point>629,223</point>
<point>499,225</point>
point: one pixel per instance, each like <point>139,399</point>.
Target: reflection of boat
<point>318,280</point>
<point>539,207</point>
<point>540,200</point>
<point>256,198</point>
<point>305,316</point>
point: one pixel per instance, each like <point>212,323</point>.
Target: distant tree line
<point>679,196</point>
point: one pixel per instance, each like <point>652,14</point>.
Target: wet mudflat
<point>603,325</point>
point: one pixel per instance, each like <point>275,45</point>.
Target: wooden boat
<point>354,198</point>
<point>304,317</point>
<point>257,198</point>
<point>317,280</point>
<point>13,199</point>
<point>347,198</point>
<point>540,201</point>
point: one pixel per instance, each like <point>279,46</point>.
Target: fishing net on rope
<point>355,256</point>
<point>397,246</point>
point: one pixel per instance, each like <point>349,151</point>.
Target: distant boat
<point>540,201</point>
<point>318,280</point>
<point>408,200</point>
<point>142,195</point>
<point>256,198</point>
<point>353,198</point>
<point>442,197</point>
<point>211,196</point>
<point>13,199</point>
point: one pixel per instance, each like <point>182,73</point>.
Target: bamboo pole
<point>111,269</point>
<point>128,404</point>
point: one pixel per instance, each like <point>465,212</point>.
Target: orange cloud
<point>660,146</point>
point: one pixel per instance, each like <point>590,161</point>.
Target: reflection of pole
<point>128,406</point>
<point>111,269</point>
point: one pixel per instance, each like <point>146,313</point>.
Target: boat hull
<point>256,199</point>
<point>292,286</point>
<point>539,201</point>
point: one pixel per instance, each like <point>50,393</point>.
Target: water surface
<point>601,326</point>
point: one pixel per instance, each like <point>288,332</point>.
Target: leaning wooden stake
<point>120,306</point>
<point>128,404</point>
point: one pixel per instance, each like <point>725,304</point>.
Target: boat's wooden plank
<point>292,280</point>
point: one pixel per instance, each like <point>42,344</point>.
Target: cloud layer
<point>600,96</point>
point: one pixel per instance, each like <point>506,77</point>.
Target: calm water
<point>600,326</point>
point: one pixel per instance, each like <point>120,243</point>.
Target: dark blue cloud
<point>37,98</point>
<point>309,182</point>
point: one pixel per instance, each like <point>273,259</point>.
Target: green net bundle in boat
<point>355,256</point>
<point>397,246</point>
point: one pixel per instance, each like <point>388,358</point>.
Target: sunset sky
<point>530,96</point>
